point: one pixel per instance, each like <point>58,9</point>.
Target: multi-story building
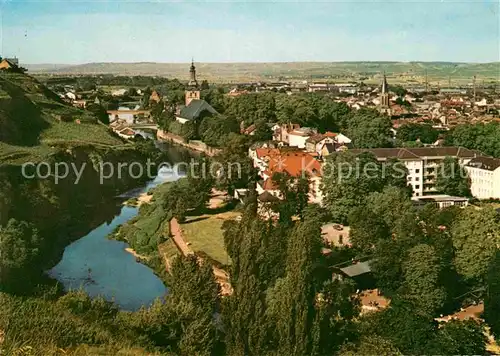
<point>287,160</point>
<point>422,163</point>
<point>484,173</point>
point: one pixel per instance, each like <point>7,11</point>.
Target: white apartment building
<point>484,173</point>
<point>422,163</point>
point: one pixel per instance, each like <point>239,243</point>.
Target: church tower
<point>384,95</point>
<point>193,92</point>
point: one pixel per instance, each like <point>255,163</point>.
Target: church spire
<point>385,87</point>
<point>384,94</point>
<point>192,75</point>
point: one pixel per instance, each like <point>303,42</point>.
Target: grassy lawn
<point>205,234</point>
<point>83,133</point>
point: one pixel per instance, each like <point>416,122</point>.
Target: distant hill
<point>34,121</point>
<point>404,72</point>
<point>44,67</point>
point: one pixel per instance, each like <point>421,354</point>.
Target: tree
<point>204,85</point>
<point>408,332</point>
<point>491,300</point>
<point>368,129</point>
<point>291,301</point>
<point>459,337</point>
<point>421,286</point>
<point>99,112</point>
<point>378,217</point>
<point>194,281</point>
<point>213,130</point>
<point>413,132</point>
<point>348,179</point>
<point>336,309</point>
<point>398,90</point>
<point>19,244</point>
<point>294,192</point>
<point>482,137</point>
<point>243,312</point>
<point>250,108</point>
<point>166,118</point>
<point>237,169</point>
<point>452,179</point>
<point>476,237</point>
<point>215,97</point>
<point>262,131</point>
<point>371,345</point>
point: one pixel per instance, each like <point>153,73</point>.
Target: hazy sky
<point>68,31</point>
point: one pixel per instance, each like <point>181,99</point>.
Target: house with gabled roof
<point>197,109</point>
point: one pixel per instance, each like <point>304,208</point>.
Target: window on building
<point>417,179</point>
<point>417,170</point>
<point>417,187</point>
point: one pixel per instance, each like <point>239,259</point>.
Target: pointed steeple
<point>385,87</point>
<point>192,75</point>
<point>384,94</point>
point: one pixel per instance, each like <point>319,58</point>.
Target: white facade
<point>484,173</point>
<point>422,163</point>
<point>181,120</point>
<point>298,139</point>
<point>342,139</point>
<point>416,176</point>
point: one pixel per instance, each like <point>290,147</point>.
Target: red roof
<point>266,152</point>
<point>294,163</point>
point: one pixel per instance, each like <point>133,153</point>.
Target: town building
<point>318,87</point>
<point>329,140</point>
<point>299,136</point>
<point>441,201</point>
<point>281,132</point>
<point>422,163</point>
<point>9,63</point>
<point>195,108</point>
<point>286,160</point>
<point>484,173</point>
<point>384,96</point>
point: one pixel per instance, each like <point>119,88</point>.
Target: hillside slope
<point>399,71</point>
<point>34,120</point>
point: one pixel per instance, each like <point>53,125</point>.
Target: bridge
<point>143,126</point>
<point>128,112</point>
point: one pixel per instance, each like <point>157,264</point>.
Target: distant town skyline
<point>217,32</point>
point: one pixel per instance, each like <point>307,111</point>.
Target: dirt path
<point>221,276</point>
<point>176,231</point>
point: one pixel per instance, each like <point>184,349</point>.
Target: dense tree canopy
<point>19,249</point>
<point>452,178</point>
<point>482,137</point>
<point>348,179</point>
<point>476,237</point>
<point>368,129</point>
<point>413,132</point>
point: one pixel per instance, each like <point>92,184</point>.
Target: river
<point>102,267</point>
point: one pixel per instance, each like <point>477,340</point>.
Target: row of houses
<point>422,164</point>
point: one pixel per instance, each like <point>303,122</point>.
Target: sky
<point>72,32</point>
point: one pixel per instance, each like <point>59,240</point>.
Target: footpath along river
<point>102,267</point>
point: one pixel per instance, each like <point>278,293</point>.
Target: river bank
<point>197,146</point>
<point>112,268</point>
